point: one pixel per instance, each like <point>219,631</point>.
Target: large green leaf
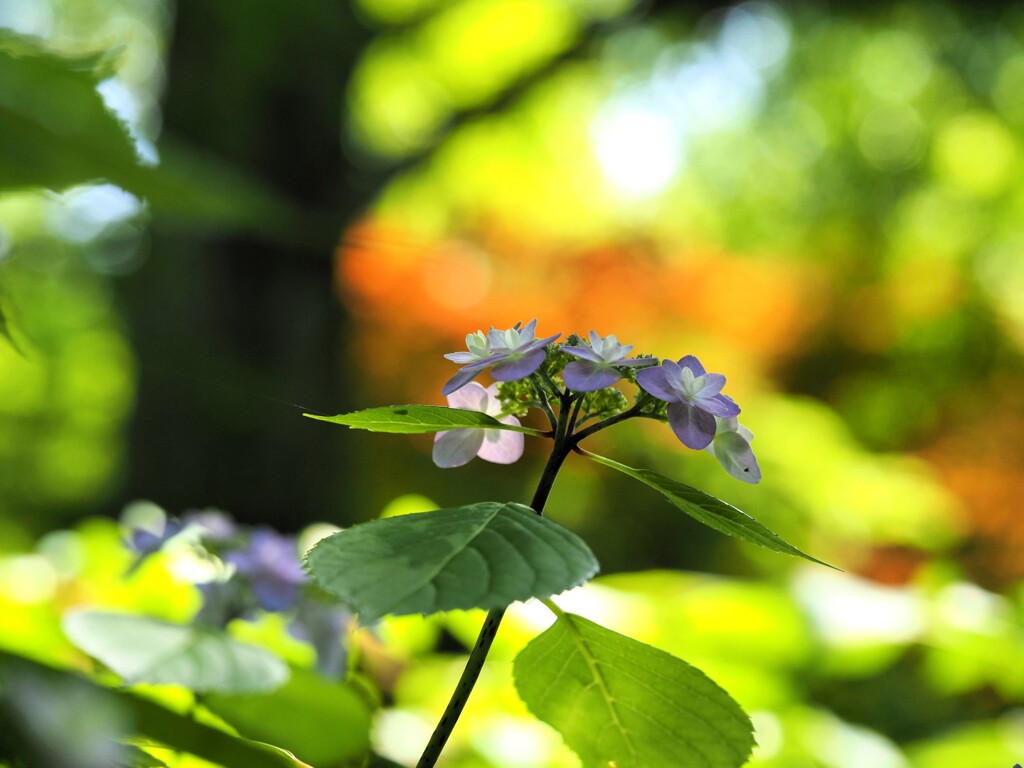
<point>485,555</point>
<point>419,419</point>
<point>328,722</point>
<point>144,650</point>
<point>619,702</point>
<point>713,512</point>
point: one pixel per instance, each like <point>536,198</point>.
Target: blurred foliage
<point>824,203</point>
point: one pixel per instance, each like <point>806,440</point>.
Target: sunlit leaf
<point>713,512</point>
<point>484,555</point>
<point>618,702</point>
<point>419,419</point>
<point>144,650</point>
<point>133,757</point>
<point>328,722</point>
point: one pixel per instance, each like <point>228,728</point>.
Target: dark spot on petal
<point>745,469</point>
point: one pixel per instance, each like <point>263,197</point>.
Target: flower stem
<point>542,398</point>
<point>478,655</point>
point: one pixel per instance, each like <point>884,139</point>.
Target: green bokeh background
<point>301,206</point>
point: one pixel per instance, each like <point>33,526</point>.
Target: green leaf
<point>51,111</point>
<point>133,757</point>
<point>144,650</point>
<point>485,555</point>
<point>65,135</point>
<point>144,717</point>
<point>328,723</point>
<point>420,419</point>
<point>713,512</point>
<point>620,702</point>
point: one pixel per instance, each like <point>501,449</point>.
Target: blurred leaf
<point>52,113</point>
<point>144,650</point>
<point>134,757</point>
<point>713,512</point>
<point>5,328</point>
<point>484,555</point>
<point>619,702</point>
<point>419,420</point>
<point>328,723</point>
<point>65,135</point>
<point>177,731</point>
<point>182,733</point>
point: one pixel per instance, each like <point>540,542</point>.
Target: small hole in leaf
<point>400,412</point>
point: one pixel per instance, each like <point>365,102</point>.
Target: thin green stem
<point>575,414</point>
<point>542,398</point>
<point>627,414</point>
<point>477,657</point>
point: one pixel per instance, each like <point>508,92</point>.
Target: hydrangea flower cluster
<point>680,392</point>
<point>259,570</point>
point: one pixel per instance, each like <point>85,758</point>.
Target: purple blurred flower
<point>321,625</point>
<point>514,353</point>
<point>458,446</point>
<point>271,565</point>
<point>214,525</point>
<point>148,542</point>
<point>596,368</point>
<point>731,447</point>
<point>694,398</point>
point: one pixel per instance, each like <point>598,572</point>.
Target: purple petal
<point>713,383</point>
<point>584,352</point>
<point>655,381</point>
<point>472,397</point>
<point>527,334</point>
<point>456,447</point>
<point>694,427</point>
<point>585,376</point>
<point>518,367</point>
<point>734,454</point>
<point>461,357</point>
<point>539,343</point>
<point>693,364</point>
<point>639,361</point>
<point>461,378</point>
<point>501,446</point>
<point>719,405</point>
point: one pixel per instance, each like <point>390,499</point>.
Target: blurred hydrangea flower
<point>694,398</point>
<point>596,368</point>
<point>146,541</point>
<point>731,446</point>
<point>271,564</point>
<point>321,625</point>
<point>514,353</point>
<point>458,446</point>
<point>213,524</point>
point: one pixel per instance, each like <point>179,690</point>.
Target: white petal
<point>457,447</point>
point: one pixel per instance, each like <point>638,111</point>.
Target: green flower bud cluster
<point>603,402</point>
<point>517,397</point>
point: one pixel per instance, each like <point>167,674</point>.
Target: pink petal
<point>502,446</point>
